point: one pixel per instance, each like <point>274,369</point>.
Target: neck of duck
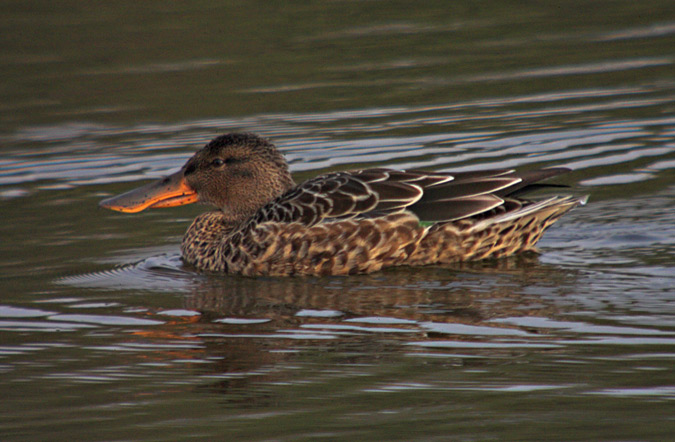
<point>212,239</point>
<point>204,240</point>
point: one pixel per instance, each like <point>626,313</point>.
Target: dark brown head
<point>238,173</point>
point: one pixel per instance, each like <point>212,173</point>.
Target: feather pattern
<point>345,222</point>
<point>364,220</point>
<point>431,196</point>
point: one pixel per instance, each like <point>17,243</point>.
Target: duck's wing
<point>474,193</point>
<point>431,196</point>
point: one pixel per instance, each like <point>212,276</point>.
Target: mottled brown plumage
<point>344,222</point>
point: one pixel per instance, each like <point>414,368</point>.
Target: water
<point>104,335</point>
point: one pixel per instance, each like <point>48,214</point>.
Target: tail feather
<point>560,204</point>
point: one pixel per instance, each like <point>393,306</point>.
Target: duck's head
<point>237,173</point>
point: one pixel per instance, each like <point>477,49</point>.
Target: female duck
<point>343,222</point>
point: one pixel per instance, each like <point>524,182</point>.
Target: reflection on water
<point>513,327</point>
<point>105,335</point>
<point>112,155</point>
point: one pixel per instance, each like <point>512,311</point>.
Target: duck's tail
<point>496,236</point>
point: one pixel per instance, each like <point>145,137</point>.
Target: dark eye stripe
<point>217,162</point>
<point>190,168</point>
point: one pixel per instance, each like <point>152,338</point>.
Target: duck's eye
<point>217,162</point>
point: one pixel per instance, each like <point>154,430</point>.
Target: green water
<point>104,335</point>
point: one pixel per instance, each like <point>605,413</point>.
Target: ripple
<point>587,68</point>
<point>153,273</point>
<point>7,311</point>
<point>656,30</point>
<point>579,327</point>
<point>294,336</point>
<point>43,326</point>
<point>617,179</point>
<point>104,319</point>
<point>353,328</point>
<point>241,321</point>
<point>179,313</point>
<point>319,313</point>
<point>85,155</point>
<point>463,329</point>
<point>666,391</point>
<point>483,345</point>
<point>381,320</point>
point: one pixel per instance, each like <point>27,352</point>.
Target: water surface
<point>105,335</point>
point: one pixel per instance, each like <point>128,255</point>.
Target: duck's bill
<point>167,192</point>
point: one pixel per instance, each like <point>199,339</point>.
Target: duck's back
<point>362,221</point>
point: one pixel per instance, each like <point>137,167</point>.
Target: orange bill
<point>167,192</point>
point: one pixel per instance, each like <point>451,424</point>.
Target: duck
<point>347,222</point>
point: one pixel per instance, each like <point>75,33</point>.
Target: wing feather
<point>459,188</point>
<point>455,208</point>
<point>432,196</point>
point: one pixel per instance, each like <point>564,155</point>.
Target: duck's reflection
<point>466,293</point>
<point>252,326</point>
